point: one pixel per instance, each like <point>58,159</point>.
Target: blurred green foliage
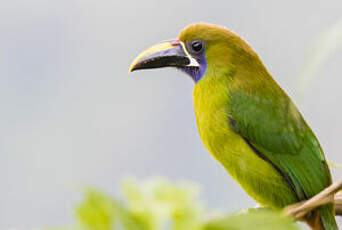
<point>161,205</point>
<point>257,220</point>
<point>322,49</point>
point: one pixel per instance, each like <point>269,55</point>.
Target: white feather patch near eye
<point>193,61</point>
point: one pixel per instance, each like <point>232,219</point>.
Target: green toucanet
<point>245,120</point>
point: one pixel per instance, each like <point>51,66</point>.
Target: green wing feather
<point>273,127</point>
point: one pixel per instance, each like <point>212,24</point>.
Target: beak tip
<point>131,68</point>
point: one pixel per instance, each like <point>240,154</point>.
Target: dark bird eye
<point>197,46</point>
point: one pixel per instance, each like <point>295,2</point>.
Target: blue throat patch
<point>196,73</point>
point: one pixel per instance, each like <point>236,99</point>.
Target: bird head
<point>199,48</point>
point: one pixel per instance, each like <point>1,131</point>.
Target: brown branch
<point>338,204</point>
<point>328,195</point>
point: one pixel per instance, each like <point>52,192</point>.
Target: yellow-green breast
<point>259,179</point>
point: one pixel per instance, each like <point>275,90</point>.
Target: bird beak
<point>165,54</point>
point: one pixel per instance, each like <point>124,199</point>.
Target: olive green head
<point>199,47</point>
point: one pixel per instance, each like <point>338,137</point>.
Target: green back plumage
<point>264,115</point>
<point>240,108</point>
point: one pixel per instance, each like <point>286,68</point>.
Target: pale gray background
<point>72,115</point>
